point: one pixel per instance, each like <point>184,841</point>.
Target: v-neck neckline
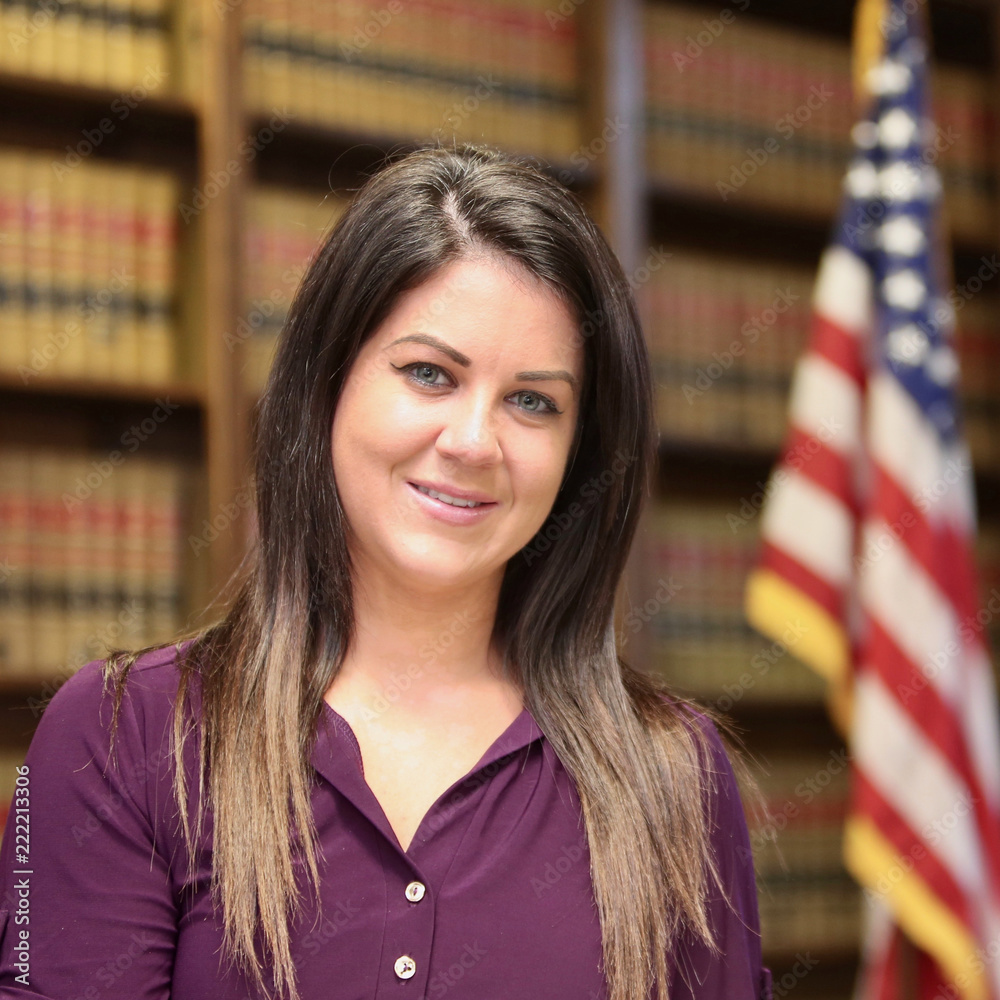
<point>521,732</point>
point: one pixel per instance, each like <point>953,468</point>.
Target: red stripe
<point>944,556</point>
<point>932,982</point>
<point>914,854</point>
<point>814,587</point>
<point>838,347</point>
<point>817,461</point>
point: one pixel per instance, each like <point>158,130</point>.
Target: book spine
<point>156,263</point>
<point>38,194</point>
<point>125,360</point>
<point>14,352</point>
<point>16,652</point>
<point>48,569</point>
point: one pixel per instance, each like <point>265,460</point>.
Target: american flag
<point>867,540</point>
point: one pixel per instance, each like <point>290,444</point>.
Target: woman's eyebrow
<point>460,359</point>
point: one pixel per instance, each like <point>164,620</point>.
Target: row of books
<point>87,268</point>
<point>725,333</point>
<point>140,47</point>
<point>500,72</point>
<point>284,229</point>
<point>753,113</point>
<point>701,643</point>
<point>93,554</point>
<point>806,897</point>
<point>700,554</point>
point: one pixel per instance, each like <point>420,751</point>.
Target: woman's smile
<point>451,511</point>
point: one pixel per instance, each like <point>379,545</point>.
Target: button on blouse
<point>492,900</point>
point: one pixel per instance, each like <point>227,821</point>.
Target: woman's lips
<point>450,514</point>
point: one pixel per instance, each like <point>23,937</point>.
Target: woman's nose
<point>470,433</point>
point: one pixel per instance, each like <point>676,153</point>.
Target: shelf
<point>703,221</point>
<point>42,112</point>
<point>314,155</point>
<point>81,390</point>
<point>166,419</point>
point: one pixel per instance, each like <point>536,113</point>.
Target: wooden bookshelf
<point>198,134</point>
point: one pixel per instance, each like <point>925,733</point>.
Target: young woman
<point>409,762</point>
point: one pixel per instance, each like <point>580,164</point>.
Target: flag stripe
<point>840,349</point>
<point>814,587</point>
<point>812,526</point>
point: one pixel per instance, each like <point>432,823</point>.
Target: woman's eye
<point>423,373</point>
<point>421,367</point>
<point>547,406</point>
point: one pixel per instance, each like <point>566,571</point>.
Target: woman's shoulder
<point>83,706</point>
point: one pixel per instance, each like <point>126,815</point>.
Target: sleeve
<point>736,971</point>
<point>87,907</point>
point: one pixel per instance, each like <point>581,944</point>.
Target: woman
<point>426,771</point>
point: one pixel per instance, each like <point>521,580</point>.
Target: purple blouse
<point>492,901</point>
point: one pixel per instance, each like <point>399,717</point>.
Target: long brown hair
<point>638,759</point>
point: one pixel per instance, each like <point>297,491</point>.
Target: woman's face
<point>470,385</point>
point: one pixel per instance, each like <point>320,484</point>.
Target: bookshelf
<point>264,158</point>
